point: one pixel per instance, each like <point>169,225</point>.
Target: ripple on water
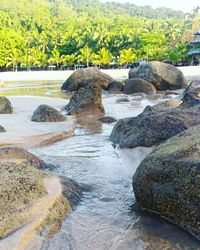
<point>104,218</point>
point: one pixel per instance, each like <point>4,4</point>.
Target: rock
<point>115,87</point>
<point>84,77</point>
<point>87,100</point>
<point>151,128</point>
<point>138,85</point>
<point>2,129</point>
<point>191,95</point>
<point>45,113</point>
<point>21,184</point>
<point>5,106</point>
<point>71,190</point>
<point>30,197</point>
<point>167,182</point>
<point>15,153</point>
<point>163,76</point>
<point>107,119</point>
<point>123,99</point>
<point>169,104</point>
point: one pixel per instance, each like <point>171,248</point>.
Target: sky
<point>183,5</point>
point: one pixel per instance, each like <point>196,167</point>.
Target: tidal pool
<point>104,218</point>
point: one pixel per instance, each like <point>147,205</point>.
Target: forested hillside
<point>41,32</point>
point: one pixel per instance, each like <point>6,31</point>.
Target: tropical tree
<point>127,56</point>
<point>13,59</point>
<point>104,57</point>
<point>55,58</point>
<point>86,55</point>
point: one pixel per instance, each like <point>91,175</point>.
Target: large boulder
<point>84,77</point>
<point>151,128</point>
<point>169,104</point>
<point>167,181</point>
<point>2,129</point>
<point>15,154</point>
<point>139,85</point>
<point>30,198</point>
<point>45,113</point>
<point>163,76</point>
<point>191,95</point>
<point>5,106</point>
<point>87,100</point>
<point>115,87</point>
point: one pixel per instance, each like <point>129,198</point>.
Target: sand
<point>190,72</point>
<point>21,131</point>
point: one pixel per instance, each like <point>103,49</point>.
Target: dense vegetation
<point>44,32</point>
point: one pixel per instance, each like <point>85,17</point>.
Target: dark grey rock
<point>169,104</point>
<point>151,128</point>
<point>5,106</point>
<point>115,87</point>
<point>163,76</point>
<point>107,119</point>
<point>139,85</point>
<point>167,182</point>
<point>84,77</point>
<point>71,190</point>
<point>2,129</point>
<point>87,100</point>
<point>45,113</point>
<point>191,95</point>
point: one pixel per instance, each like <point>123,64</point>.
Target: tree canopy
<point>45,32</point>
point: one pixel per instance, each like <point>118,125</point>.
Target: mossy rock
<point>20,184</point>
<point>5,106</point>
<point>167,181</point>
<point>2,129</point>
<point>45,113</point>
<point>13,153</point>
<point>152,128</point>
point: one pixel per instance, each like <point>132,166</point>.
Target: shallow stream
<point>104,218</point>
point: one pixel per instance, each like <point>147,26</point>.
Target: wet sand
<point>21,131</point>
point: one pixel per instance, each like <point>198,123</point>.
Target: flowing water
<point>105,218</point>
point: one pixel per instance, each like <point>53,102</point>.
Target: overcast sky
<point>184,5</point>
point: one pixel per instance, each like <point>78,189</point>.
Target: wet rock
<point>15,154</point>
<point>87,100</point>
<point>151,128</point>
<point>21,185</point>
<point>71,190</point>
<point>2,129</point>
<point>115,87</point>
<point>123,99</point>
<point>107,119</point>
<point>84,77</point>
<point>45,113</point>
<point>191,95</point>
<point>138,85</point>
<point>167,182</point>
<point>169,104</point>
<point>163,76</point>
<point>5,106</point>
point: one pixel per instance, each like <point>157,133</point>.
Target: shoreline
<point>27,134</point>
<point>190,73</point>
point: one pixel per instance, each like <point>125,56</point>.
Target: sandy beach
<point>190,72</point>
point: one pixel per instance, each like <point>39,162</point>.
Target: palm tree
<point>86,55</point>
<point>13,59</point>
<point>127,56</point>
<point>104,57</point>
<point>55,58</point>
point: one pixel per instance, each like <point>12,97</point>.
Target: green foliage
<point>43,32</point>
